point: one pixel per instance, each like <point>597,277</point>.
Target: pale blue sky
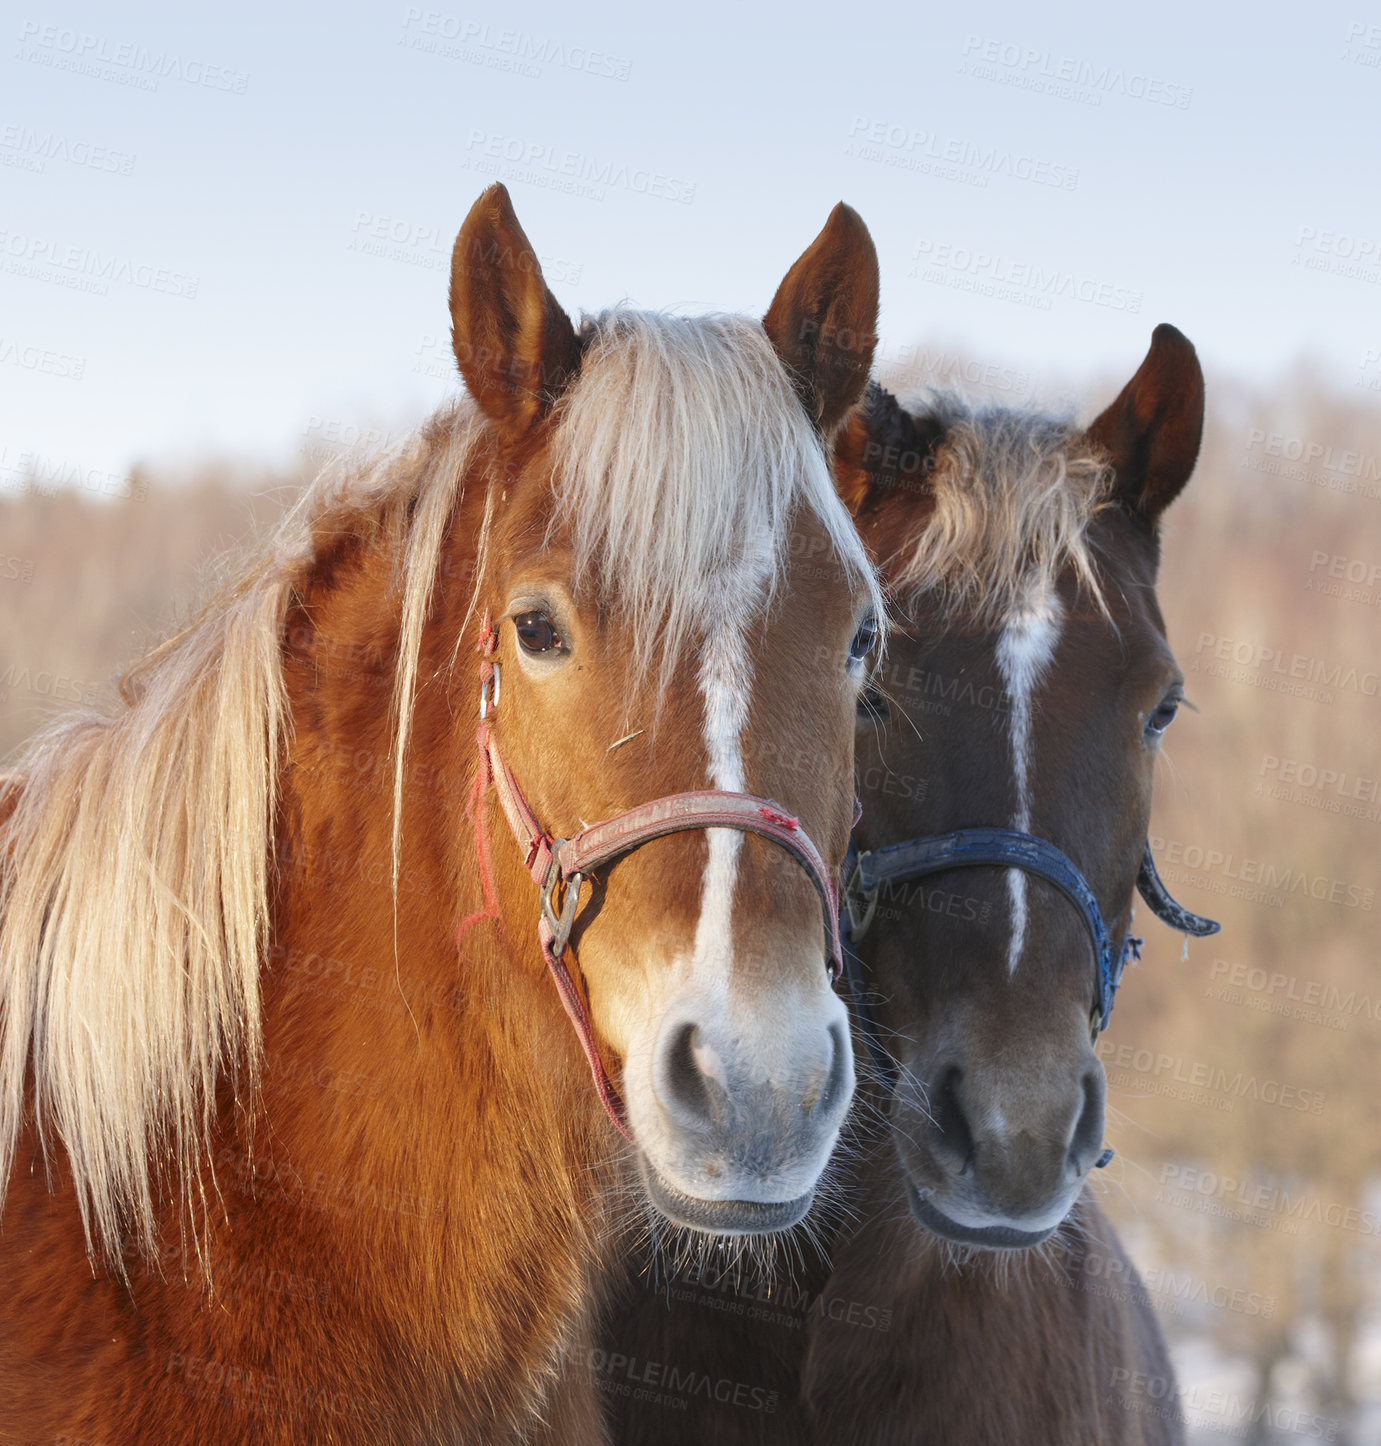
<point>1049,231</point>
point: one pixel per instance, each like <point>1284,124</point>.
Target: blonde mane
<point>1014,492</point>
<point>136,865</point>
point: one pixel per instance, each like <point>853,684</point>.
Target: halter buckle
<point>559,926</point>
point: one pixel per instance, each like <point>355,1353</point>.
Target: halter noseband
<point>865,874</point>
<point>563,865</point>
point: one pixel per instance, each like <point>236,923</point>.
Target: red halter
<point>569,862</point>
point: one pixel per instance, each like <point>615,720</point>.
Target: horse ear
<point>516,348</point>
<point>1152,431</point>
<point>823,319</point>
<point>879,445</point>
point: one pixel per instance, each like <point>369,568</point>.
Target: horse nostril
<point>836,1077</point>
<point>952,1138</point>
<point>1086,1144</point>
<point>687,1069</point>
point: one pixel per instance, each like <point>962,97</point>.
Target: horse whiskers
<point>681,1254</point>
<point>766,1266</point>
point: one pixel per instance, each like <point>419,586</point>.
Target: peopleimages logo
<point>18,678</point>
<point>45,476</point>
<point>1342,245</point>
<point>1263,659</point>
<point>1184,1289</point>
<point>679,1384</point>
<point>1343,470</point>
<point>1209,864</point>
<point>31,150</point>
<point>123,61</point>
<point>1345,461</point>
<point>779,1303</point>
<point>504,48</point>
<point>1225,1412</point>
<point>41,359</point>
<point>1346,785</point>
<point>1278,988</point>
<point>909,364</point>
<point>1275,1199</point>
<point>1031,68</point>
<point>84,269</point>
<point>1156,1071</point>
<point>558,163</point>
<point>989,273</point>
<point>910,148</point>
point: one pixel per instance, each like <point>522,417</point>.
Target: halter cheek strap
<point>559,867</point>
<point>1165,908</point>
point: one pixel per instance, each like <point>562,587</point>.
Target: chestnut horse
<point>299,1142</point>
<point>977,1293</point>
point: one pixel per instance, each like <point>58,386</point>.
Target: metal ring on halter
<point>860,903</point>
<point>486,702</point>
<point>560,926</point>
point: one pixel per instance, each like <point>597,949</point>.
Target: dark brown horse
<point>298,1141</point>
<point>977,1294</point>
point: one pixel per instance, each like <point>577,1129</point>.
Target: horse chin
<point>982,1237</point>
<point>723,1217</point>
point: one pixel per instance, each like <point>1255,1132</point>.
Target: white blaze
<point>1028,643</point>
<point>725,676</point>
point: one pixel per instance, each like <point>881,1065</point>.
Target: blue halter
<point>865,874</point>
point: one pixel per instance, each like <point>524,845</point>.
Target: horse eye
<point>865,639</point>
<point>536,632</point>
<point>1163,717</point>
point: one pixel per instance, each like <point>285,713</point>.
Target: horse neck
<point>1039,1331</point>
<point>465,1140</point>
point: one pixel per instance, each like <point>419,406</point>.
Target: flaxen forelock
<point>1013,494</point>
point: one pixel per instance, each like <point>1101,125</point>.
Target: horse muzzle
<point>735,1125</point>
